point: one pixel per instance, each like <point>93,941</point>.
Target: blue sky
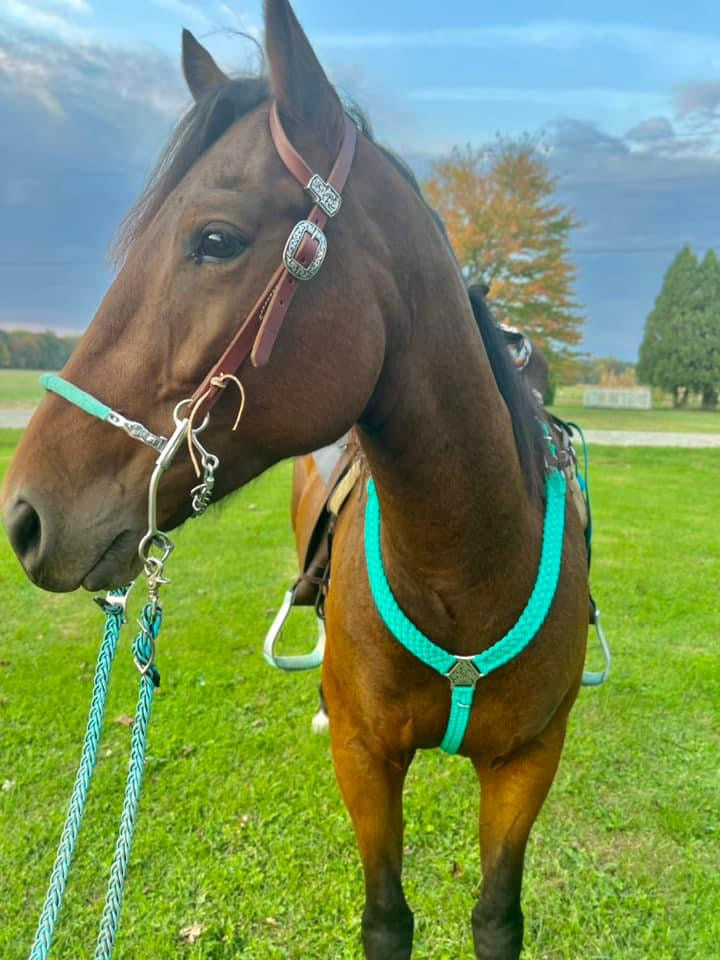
<point>625,98</point>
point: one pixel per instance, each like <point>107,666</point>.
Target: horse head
<point>197,252</point>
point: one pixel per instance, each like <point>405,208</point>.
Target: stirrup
<point>307,661</point>
<point>596,678</point>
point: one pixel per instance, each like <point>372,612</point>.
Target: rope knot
<point>143,647</point>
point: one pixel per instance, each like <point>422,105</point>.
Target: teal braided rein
<point>143,652</point>
<point>464,672</point>
<point>114,614</point>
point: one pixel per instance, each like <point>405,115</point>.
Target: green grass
<point>662,418</point>
<point>241,827</point>
<point>19,388</point>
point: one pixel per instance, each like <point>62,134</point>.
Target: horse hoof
<point>320,722</point>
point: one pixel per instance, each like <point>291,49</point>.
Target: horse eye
<point>218,243</point>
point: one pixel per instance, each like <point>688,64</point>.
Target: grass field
<point>662,418</point>
<point>19,388</point>
<point>241,828</point>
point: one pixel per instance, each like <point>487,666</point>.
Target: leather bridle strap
<point>302,258</point>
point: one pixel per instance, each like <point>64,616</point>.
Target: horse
<point>381,338</point>
<point>315,475</point>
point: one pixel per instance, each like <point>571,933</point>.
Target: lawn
<point>662,420</point>
<point>19,388</point>
<point>241,828</point>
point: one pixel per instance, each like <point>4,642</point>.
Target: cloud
<point>671,46</point>
<point>185,10</point>
<point>639,204</point>
<point>240,21</point>
<point>32,17</point>
<point>81,124</point>
<point>703,98</point>
<point>561,97</point>
<point>651,130</point>
<point>104,80</point>
<point>73,6</point>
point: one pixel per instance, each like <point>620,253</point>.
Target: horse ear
<point>202,74</point>
<point>304,94</point>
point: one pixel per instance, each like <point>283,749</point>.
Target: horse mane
<point>523,408</point>
<point>207,120</point>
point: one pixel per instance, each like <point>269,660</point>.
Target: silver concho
<point>297,269</point>
<point>324,195</point>
<point>463,673</point>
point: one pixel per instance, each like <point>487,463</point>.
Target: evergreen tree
<point>706,371</point>
<point>666,351</point>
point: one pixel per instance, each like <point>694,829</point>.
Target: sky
<point>624,98</point>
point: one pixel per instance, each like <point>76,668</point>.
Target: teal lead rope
<point>58,880</point>
<point>464,672</point>
<point>143,651</point>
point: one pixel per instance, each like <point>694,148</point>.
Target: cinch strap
<point>464,672</point>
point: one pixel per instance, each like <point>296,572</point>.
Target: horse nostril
<point>24,529</point>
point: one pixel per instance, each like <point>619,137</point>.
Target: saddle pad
<point>327,458</point>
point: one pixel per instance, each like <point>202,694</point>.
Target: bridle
<point>302,258</point>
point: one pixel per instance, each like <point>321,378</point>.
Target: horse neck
<point>457,522</point>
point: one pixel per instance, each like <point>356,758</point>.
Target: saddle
<point>322,499</point>
<point>518,344</point>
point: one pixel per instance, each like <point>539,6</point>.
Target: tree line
<point>23,350</point>
<point>680,350</point>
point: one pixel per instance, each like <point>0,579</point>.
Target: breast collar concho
<point>303,256</point>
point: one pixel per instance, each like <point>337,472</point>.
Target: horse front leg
<point>513,790</point>
<point>372,785</point>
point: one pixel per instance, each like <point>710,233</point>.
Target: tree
<point>680,350</point>
<point>24,350</point>
<point>706,375</point>
<point>4,349</point>
<point>507,230</point>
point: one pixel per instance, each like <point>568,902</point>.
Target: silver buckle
<point>324,195</point>
<point>297,269</point>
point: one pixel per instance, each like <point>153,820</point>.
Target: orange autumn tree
<point>508,231</point>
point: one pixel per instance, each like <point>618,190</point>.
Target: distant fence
<point>626,398</point>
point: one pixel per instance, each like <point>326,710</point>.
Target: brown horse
<point>312,485</point>
<point>384,339</point>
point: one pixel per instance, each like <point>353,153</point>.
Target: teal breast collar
<point>464,672</point>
